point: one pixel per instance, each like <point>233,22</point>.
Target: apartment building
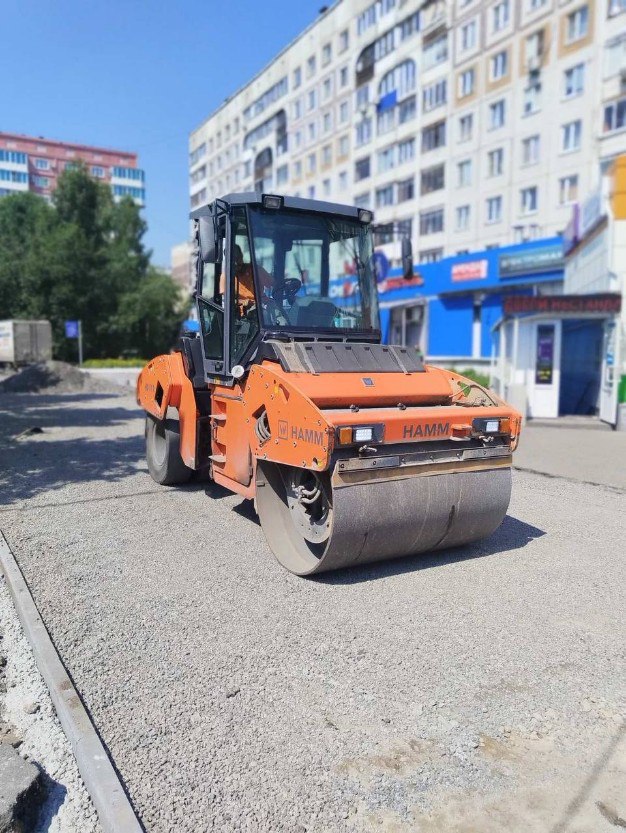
<point>466,124</point>
<point>34,164</point>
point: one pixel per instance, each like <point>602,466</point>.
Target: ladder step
<point>217,458</point>
<point>218,417</point>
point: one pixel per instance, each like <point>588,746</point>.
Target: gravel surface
<point>26,707</point>
<point>476,689</point>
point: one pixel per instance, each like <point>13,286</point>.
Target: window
<point>282,175</point>
<point>500,15</point>
<point>462,217</point>
<point>435,52</point>
<point>327,54</point>
<point>568,189</point>
<point>98,171</point>
<point>326,89</point>
<point>434,95</point>
<point>466,83</point>
<point>534,47</point>
<point>528,199</point>
<point>496,114</point>
<point>532,99</point>
<point>431,222</point>
<point>363,200</point>
<point>343,112</point>
<point>406,189</point>
<point>326,187</point>
<point>42,164</point>
<point>311,163</point>
<point>499,65</point>
<point>434,136</point>
<point>464,171</point>
<point>386,159</point>
<point>13,176</point>
<point>195,155</point>
<point>311,100</point>
<point>297,109</point>
<point>298,138</point>
<point>362,169</point>
<point>327,155</point>
<point>406,151</point>
<point>126,173</point>
<point>344,40</point>
<point>614,116</point>
<point>430,255</point>
<point>495,161</point>
<point>468,36</point>
<point>343,180</point>
<point>398,83</point>
<point>407,110</point>
<point>344,146</point>
<point>297,77</point>
<point>616,7</point>
<point>577,24</point>
<point>363,132</point>
<point>432,179</point>
<point>297,169</point>
<point>327,122</point>
<point>574,81</point>
<point>310,67</point>
<point>494,209</point>
<point>614,55</point>
<point>466,126</point>
<point>343,77</point>
<point>409,26</point>
<point>384,196</point>
<point>537,4</point>
<point>312,131</point>
<point>530,150</point>
<point>404,228</point>
<point>383,234</point>
<point>386,121</point>
<point>279,89</point>
<point>41,181</point>
<point>570,135</point>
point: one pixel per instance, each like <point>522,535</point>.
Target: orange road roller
<point>353,450</point>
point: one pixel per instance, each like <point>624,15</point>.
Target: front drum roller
<point>312,527</point>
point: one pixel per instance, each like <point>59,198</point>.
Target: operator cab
<point>281,268</point>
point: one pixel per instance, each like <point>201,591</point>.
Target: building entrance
<point>581,367</point>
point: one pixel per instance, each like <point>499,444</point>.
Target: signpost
<point>73,329</point>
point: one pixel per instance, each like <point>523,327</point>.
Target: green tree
<point>84,258</point>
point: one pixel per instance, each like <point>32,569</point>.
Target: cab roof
<point>295,203</point>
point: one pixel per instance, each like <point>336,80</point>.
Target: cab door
<point>611,364</point>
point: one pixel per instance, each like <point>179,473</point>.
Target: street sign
<point>71,329</point>
<point>381,266</point>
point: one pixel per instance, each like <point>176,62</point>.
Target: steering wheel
<point>287,288</point>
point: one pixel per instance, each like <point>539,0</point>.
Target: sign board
<point>71,329</point>
<point>381,266</point>
<point>531,261</point>
<point>602,303</point>
<point>472,271</point>
<point>544,360</point>
<point>590,212</point>
<point>571,235</point>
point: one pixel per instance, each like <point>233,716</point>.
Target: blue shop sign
<point>532,261</point>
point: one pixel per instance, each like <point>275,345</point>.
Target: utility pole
<point>80,343</point>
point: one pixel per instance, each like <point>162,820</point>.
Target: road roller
<point>352,450</point>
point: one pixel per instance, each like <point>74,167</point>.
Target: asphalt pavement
<point>475,689</point>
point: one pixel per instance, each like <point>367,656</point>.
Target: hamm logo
<point>437,429</point>
<point>307,435</point>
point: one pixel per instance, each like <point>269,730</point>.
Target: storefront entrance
<point>581,367</point>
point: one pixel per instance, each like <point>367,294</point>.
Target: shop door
<point>545,370</point>
<point>610,375</point>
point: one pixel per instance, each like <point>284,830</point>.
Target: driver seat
<point>312,312</point>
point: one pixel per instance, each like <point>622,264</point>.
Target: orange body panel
<point>163,383</point>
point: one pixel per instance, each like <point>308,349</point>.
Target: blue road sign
<point>381,266</point>
<point>71,329</point>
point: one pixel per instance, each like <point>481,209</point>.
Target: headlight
<point>491,426</point>
<point>353,434</point>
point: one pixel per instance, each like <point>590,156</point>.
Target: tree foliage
<point>83,258</point>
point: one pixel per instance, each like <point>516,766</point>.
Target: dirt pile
<point>54,377</point>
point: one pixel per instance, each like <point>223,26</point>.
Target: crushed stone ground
<point>54,377</point>
<point>474,689</point>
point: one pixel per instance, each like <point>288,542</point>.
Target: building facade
<point>34,164</point>
<point>466,124</point>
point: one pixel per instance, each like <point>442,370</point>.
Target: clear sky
<point>137,75</point>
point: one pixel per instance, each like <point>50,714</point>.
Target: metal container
<point>25,342</point>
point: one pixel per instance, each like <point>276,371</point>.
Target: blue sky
<point>137,75</point>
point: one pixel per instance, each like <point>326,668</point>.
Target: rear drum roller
<point>165,464</point>
<point>313,526</point>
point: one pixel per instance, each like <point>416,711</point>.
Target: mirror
<point>208,244</point>
<point>407,258</point>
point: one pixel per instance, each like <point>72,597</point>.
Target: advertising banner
<point>532,261</point>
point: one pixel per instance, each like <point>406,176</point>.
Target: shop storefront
<point>563,354</point>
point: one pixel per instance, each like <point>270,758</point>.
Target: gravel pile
<point>477,689</point>
<point>54,377</point>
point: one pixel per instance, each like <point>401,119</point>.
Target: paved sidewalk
<point>578,448</point>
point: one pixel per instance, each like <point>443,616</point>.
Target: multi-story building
<point>34,164</point>
<point>466,124</point>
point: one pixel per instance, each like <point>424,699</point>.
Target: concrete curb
<point>105,788</point>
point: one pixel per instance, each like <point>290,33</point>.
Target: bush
<point>473,374</point>
<point>115,363</point>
